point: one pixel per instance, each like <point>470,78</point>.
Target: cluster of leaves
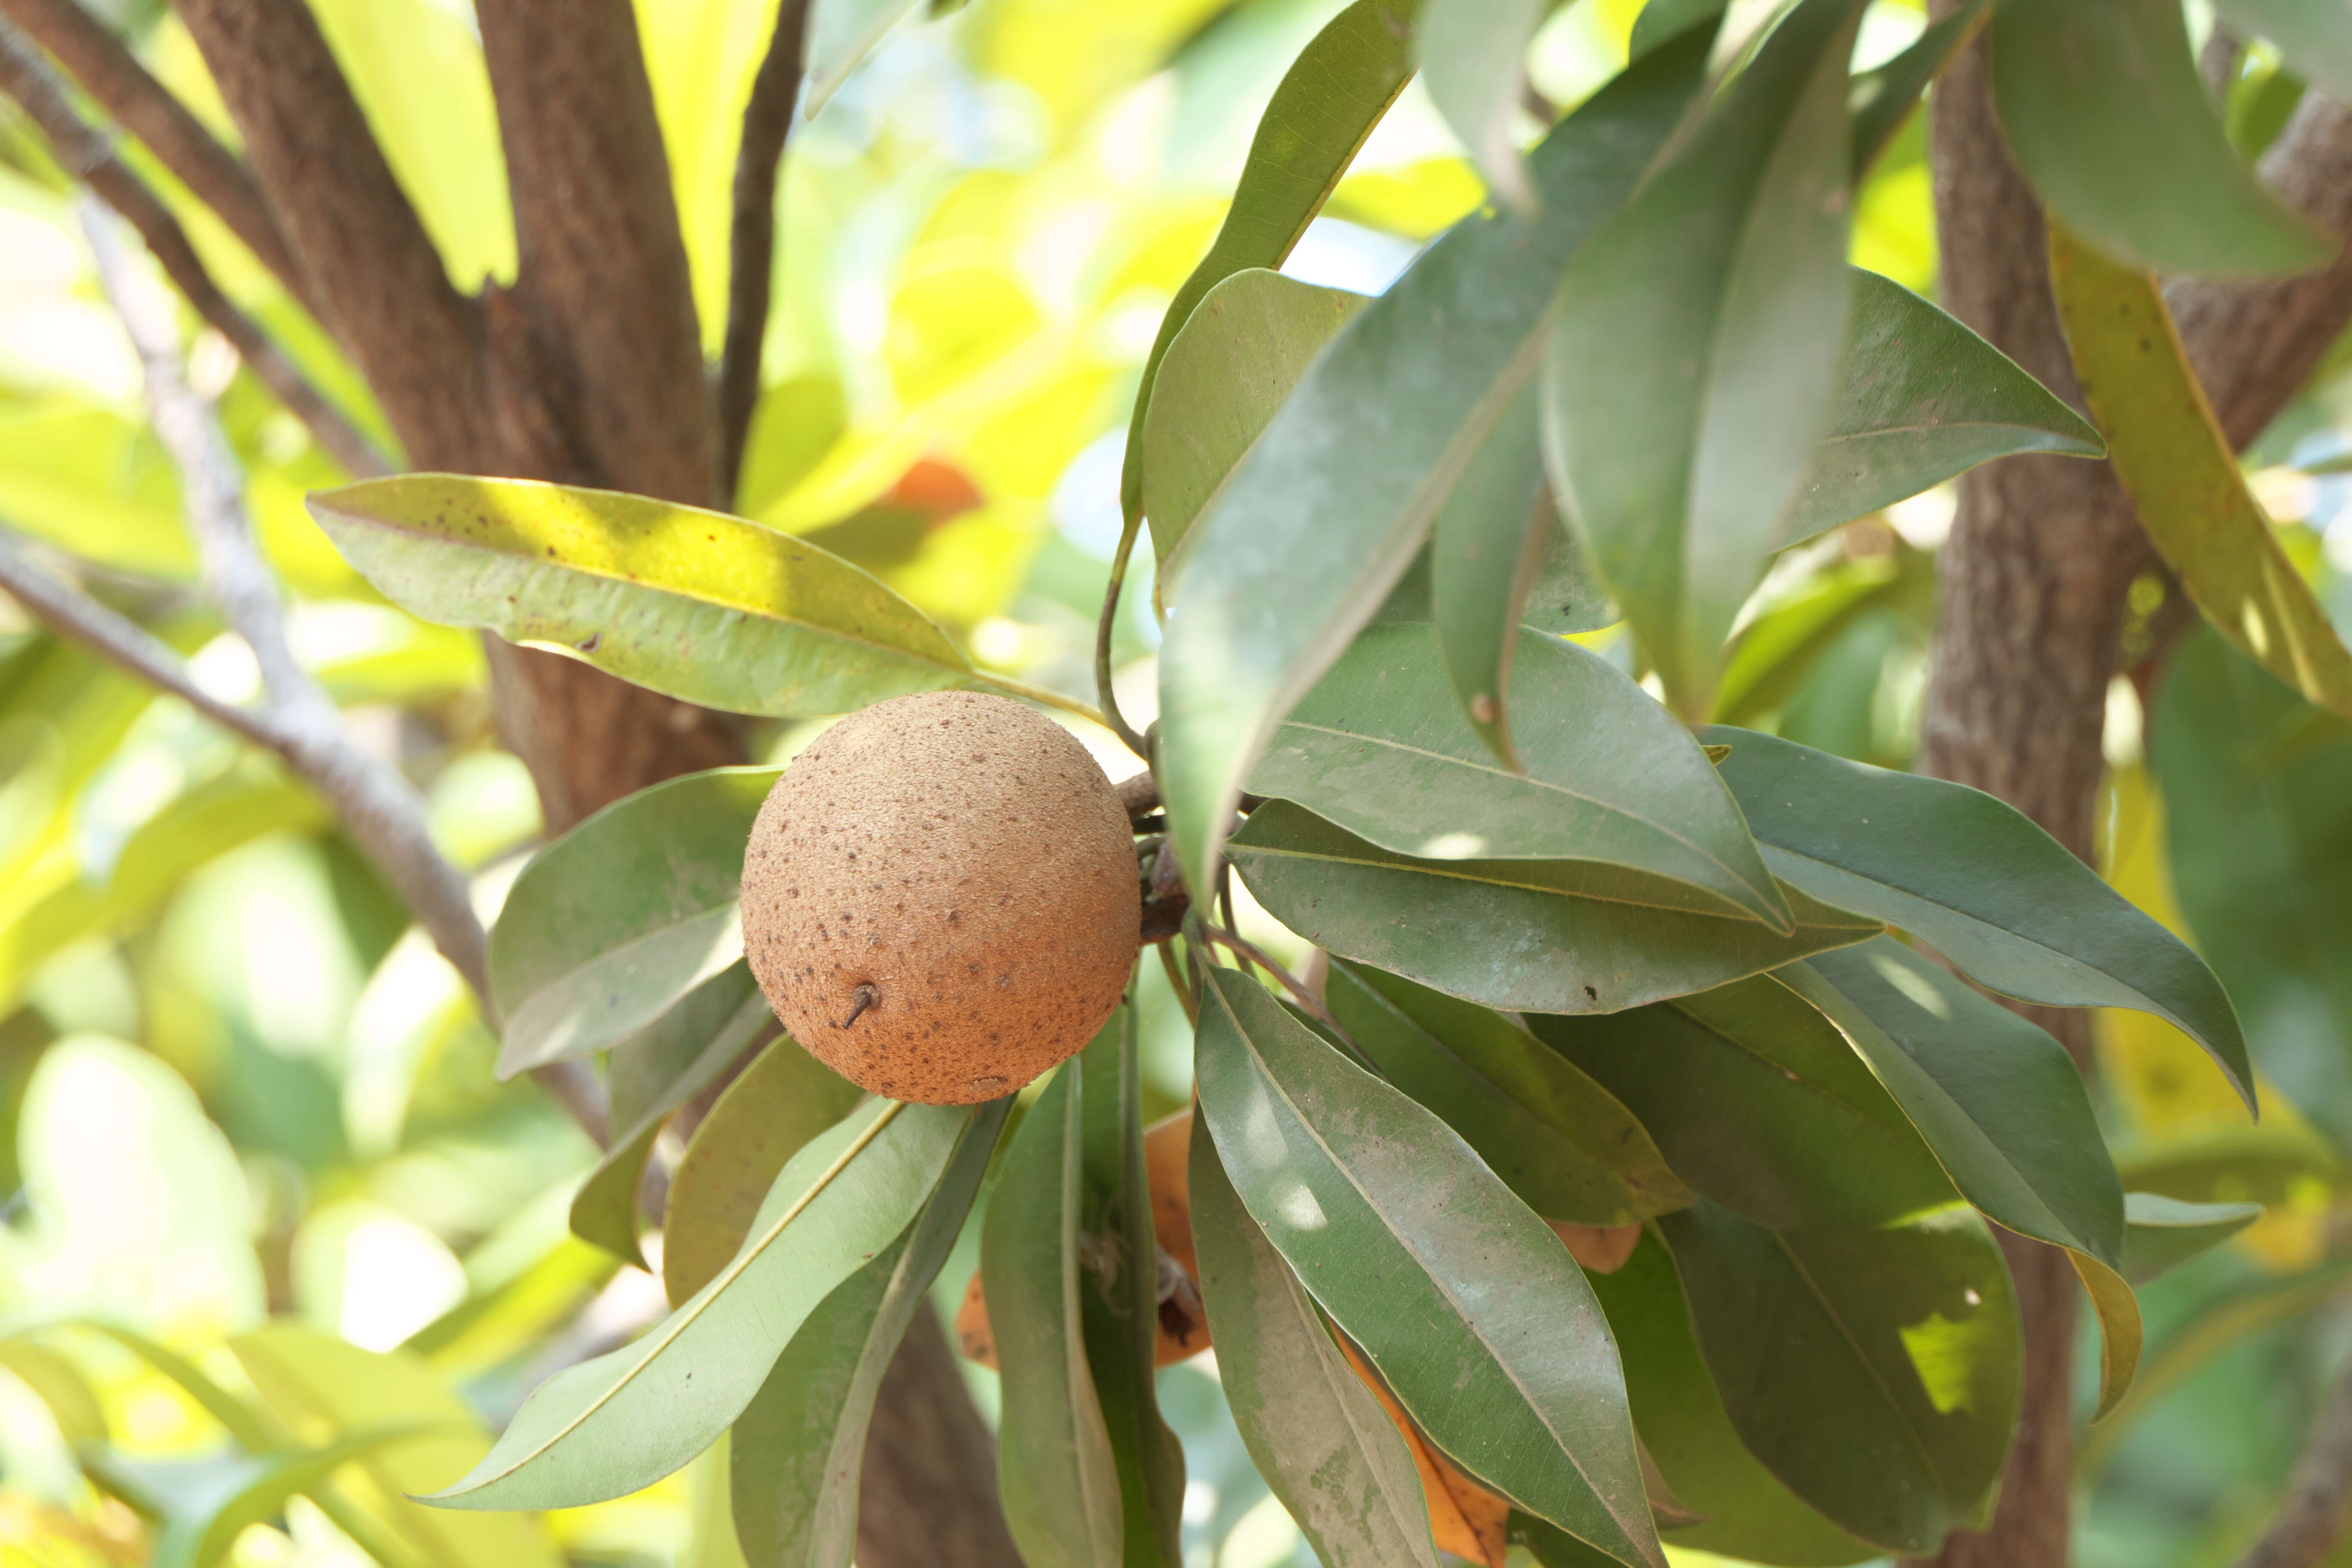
<point>1589,967</point>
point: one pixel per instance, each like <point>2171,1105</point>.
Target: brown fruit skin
<point>961,859</point>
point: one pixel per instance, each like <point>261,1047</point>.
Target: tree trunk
<point>2034,580</point>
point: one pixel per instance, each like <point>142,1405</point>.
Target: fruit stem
<point>1103,627</point>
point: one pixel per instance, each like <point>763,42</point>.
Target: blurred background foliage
<point>248,1118</point>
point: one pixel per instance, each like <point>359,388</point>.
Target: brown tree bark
<point>2034,579</point>
<point>587,370</point>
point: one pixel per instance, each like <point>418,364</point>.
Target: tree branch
<point>377,806</point>
<point>607,332</point>
<point>2317,1493</point>
<point>751,239</point>
<point>86,154</point>
<point>380,284</point>
<point>145,107</point>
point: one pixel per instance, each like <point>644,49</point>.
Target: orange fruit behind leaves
<point>1183,1327</point>
<point>1464,1518</point>
<point>1602,1248</point>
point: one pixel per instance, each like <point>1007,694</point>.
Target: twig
<point>377,806</point>
<point>1298,988</point>
<point>2216,63</point>
<point>751,239</point>
<point>2317,1493</point>
<point>1178,982</point>
<point>144,107</point>
<point>1104,625</point>
<point>86,154</point>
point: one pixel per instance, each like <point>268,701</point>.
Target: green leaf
<point>310,1379</point>
<point>1321,1440</point>
<point>692,1043</point>
<point>1382,748</point>
<point>2103,110</point>
<point>60,1386</point>
<point>784,1099</point>
<point>1977,879</point>
<point>1326,104</point>
<point>1329,507</point>
<point>1921,398</point>
<point>1694,362</point>
<point>2165,1231</point>
<point>2183,477</point>
<point>1055,1471</point>
<point>1547,936</point>
<point>1760,1104</point>
<point>2258,799</point>
<point>696,604</point>
<point>1882,98</point>
<point>1244,347</point>
<point>841,32</point>
<point>2315,39</point>
<point>2002,1106</point>
<point>610,925</point>
<point>1999,1101</point>
<point>1874,1371</point>
<point>797,1450</point>
<point>1776,652</point>
<point>202,1526</point>
<point>1481,1324</point>
<point>1473,57</point>
<point>612,1425</point>
<point>1487,546</point>
<point>1566,1145</point>
<point>1747,1512</point>
<point>1119,1296</point>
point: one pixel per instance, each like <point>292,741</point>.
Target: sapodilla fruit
<point>940,898</point>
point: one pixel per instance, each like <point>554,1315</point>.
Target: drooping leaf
<point>1874,1371</point>
<point>612,1425</point>
<point>1694,361</point>
<point>1243,348</point>
<point>1487,548</point>
<point>1979,881</point>
<point>2183,478</point>
<point>618,918</point>
<point>1472,54</point>
<point>840,34</point>
<point>1760,1104</point>
<point>1382,748</point>
<point>1328,508</point>
<point>1055,1471</point>
<point>696,604</point>
<point>1882,98</point>
<point>1333,94</point>
<point>2258,796</point>
<point>785,1098</point>
<point>1119,1296</point>
<point>677,1057</point>
<point>1921,399</point>
<point>1551,936</point>
<point>2002,1106</point>
<point>797,1450</point>
<point>2315,39</point>
<point>1318,1436</point>
<point>1469,1306</point>
<point>1565,1144</point>
<point>2165,1232</point>
<point>2103,110</point>
<point>1745,1510</point>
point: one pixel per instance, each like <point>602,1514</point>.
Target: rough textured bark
<point>588,370</point>
<point>2034,579</point>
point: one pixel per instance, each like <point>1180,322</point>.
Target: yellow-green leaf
<point>2173,458</point>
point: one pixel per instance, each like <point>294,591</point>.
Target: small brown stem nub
<point>862,998</point>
